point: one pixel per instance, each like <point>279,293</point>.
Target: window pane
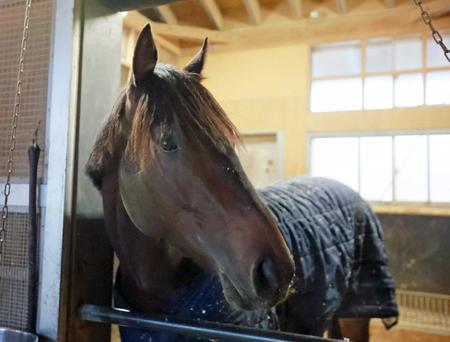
<point>435,55</point>
<point>378,92</point>
<point>379,55</point>
<point>336,158</point>
<point>408,53</point>
<point>336,95</point>
<point>438,88</point>
<point>376,168</point>
<point>439,168</point>
<point>336,59</point>
<point>411,168</point>
<point>409,90</point>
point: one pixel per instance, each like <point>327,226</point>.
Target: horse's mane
<point>170,95</point>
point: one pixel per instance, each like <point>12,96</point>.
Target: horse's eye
<point>169,144</point>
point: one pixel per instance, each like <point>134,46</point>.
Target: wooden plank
<point>253,10</point>
<point>136,21</point>
<point>213,12</point>
<point>167,14</point>
<point>91,276</point>
<point>411,209</point>
<point>386,22</point>
<point>295,7</point>
<point>341,6</point>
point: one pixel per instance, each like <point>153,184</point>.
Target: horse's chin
<point>238,301</point>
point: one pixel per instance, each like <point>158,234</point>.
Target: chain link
<point>434,33</point>
<point>12,140</point>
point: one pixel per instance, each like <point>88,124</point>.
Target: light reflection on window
<point>401,168</point>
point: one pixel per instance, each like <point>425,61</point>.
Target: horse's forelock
<point>140,142</point>
<point>171,94</point>
<point>179,95</point>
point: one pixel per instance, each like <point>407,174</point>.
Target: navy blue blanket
<point>341,265</point>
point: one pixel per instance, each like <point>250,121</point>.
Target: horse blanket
<point>341,266</point>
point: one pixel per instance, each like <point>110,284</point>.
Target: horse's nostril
<point>266,281</point>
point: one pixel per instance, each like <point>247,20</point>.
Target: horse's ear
<point>197,63</point>
<point>145,56</point>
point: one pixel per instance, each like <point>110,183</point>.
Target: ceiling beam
<point>213,12</point>
<point>253,10</point>
<point>341,6</point>
<point>296,8</point>
<point>396,21</point>
<point>166,14</point>
<point>136,21</point>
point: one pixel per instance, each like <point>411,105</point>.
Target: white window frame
<point>424,70</point>
<point>392,135</point>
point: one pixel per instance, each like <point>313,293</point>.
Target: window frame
<point>423,70</point>
<point>392,135</point>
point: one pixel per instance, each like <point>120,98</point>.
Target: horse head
<point>180,180</point>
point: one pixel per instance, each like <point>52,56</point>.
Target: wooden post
<point>90,258</point>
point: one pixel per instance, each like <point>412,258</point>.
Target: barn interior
<point>315,88</point>
<point>353,90</point>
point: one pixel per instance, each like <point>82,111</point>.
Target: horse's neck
<point>150,270</point>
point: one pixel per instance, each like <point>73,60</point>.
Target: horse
<point>196,240</point>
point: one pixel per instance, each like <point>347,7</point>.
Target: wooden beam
<point>389,3</point>
<point>253,10</point>
<point>296,8</point>
<point>190,33</point>
<point>136,21</point>
<point>341,6</point>
<point>396,21</point>
<point>167,14</point>
<point>213,12</point>
<point>167,45</point>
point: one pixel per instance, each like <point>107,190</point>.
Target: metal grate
<point>13,274</point>
<point>14,267</point>
<point>34,96</point>
<point>425,311</point>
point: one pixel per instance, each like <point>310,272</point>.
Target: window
<point>401,168</point>
<point>379,73</point>
<point>336,158</point>
<point>376,168</point>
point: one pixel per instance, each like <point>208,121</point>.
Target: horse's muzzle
<point>271,281</point>
<point>269,285</point>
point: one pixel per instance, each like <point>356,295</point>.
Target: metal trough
<point>12,335</point>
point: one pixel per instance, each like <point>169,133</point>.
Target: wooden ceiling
<point>253,22</point>
<point>232,14</point>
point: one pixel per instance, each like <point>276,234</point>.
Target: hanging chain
<point>434,33</point>
<point>15,119</point>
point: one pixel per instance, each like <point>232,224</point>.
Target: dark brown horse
<point>176,200</point>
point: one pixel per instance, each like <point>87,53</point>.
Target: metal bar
<point>127,5</point>
<point>228,332</point>
<point>33,157</point>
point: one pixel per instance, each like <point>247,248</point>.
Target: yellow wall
<point>267,89</point>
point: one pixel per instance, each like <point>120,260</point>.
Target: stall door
<point>262,157</point>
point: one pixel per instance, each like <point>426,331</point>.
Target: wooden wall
<point>418,251</point>
<point>265,90</point>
